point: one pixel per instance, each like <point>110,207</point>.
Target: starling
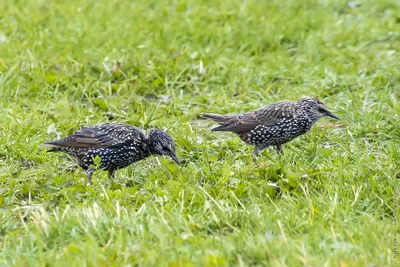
<point>117,145</point>
<point>275,124</point>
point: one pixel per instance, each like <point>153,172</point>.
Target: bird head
<point>161,143</point>
<point>315,108</point>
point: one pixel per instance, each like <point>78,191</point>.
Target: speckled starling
<point>117,145</point>
<point>275,124</point>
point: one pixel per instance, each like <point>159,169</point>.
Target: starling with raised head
<point>117,145</point>
<point>275,124</point>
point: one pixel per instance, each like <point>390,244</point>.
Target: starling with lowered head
<point>117,145</point>
<point>275,124</point>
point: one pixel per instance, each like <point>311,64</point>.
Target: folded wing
<point>269,116</point>
<point>106,135</point>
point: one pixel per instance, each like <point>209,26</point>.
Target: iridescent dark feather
<point>268,116</point>
<point>106,135</point>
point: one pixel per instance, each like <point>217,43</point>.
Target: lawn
<point>330,201</point>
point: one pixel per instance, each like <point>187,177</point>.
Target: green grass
<point>329,201</point>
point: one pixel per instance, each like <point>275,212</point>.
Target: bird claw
<point>259,166</point>
<point>71,168</point>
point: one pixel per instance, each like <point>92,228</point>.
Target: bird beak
<point>330,114</point>
<point>175,158</point>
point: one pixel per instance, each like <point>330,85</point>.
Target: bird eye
<point>321,110</point>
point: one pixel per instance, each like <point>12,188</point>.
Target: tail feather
<point>53,147</point>
<point>223,120</point>
<point>221,128</point>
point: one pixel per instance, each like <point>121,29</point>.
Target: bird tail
<point>53,147</point>
<point>223,120</point>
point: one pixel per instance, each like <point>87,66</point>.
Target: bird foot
<point>262,165</point>
<point>71,168</point>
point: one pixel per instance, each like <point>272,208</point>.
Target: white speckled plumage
<point>118,146</point>
<point>275,124</point>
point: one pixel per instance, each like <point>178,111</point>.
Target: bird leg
<point>256,152</point>
<point>111,174</point>
<point>279,149</point>
<point>89,173</point>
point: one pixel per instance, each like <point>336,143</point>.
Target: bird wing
<point>269,116</point>
<point>106,135</point>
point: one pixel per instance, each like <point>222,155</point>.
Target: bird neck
<point>307,111</point>
<point>313,117</point>
<point>152,148</point>
<point>152,144</point>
